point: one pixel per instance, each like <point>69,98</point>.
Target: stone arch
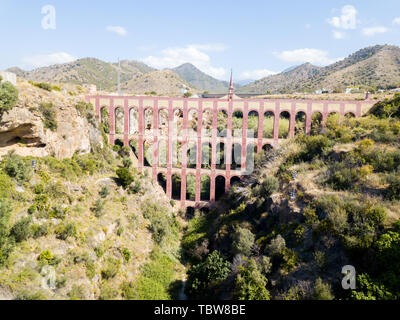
<point>105,119</point>
<point>205,188</point>
<point>220,183</point>
<point>207,123</point>
<point>237,124</point>
<point>236,156</point>
<point>176,186</point>
<point>177,154</point>
<point>133,121</point>
<point>162,153</point>
<point>234,180</point>
<point>252,124</point>
<point>267,147</point>
<point>163,122</point>
<point>193,119</point>
<point>191,187</point>
<point>220,159</point>
<point>222,123</point>
<point>178,122</point>
<point>251,151</point>
<point>162,181</point>
<point>191,155</point>
<point>119,120</point>
<point>148,154</point>
<point>148,121</point>
<point>206,155</point>
<point>268,125</point>
<point>300,124</point>
<point>316,123</point>
<point>284,125</point>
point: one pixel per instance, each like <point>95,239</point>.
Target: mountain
<point>165,82</point>
<point>86,71</point>
<point>200,80</point>
<point>372,67</point>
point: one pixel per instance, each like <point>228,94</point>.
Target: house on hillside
<point>9,76</point>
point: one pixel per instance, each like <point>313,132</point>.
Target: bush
<point>276,246</point>
<point>322,291</point>
<point>21,230</point>
<point>98,208</point>
<point>243,241</point>
<point>104,192</point>
<point>49,114</point>
<point>125,177</point>
<point>127,255</point>
<point>66,230</point>
<point>8,97</point>
<point>111,269</point>
<point>269,186</point>
<point>42,85</point>
<point>393,191</point>
<point>17,167</point>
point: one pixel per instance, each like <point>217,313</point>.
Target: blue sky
<point>253,37</point>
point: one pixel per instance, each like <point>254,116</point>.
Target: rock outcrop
<point>22,129</point>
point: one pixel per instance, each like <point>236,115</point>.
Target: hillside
<point>313,205</point>
<point>82,224</point>
<point>165,82</point>
<point>200,80</point>
<point>369,68</point>
<point>86,71</point>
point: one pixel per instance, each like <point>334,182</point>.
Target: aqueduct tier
<point>208,142</point>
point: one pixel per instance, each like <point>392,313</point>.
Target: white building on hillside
<point>9,76</point>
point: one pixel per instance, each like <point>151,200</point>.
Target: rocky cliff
<point>23,128</point>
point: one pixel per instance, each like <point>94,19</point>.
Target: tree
<point>322,291</point>
<point>204,278</point>
<point>125,177</point>
<point>250,283</point>
<point>243,240</point>
<point>8,96</point>
<point>269,186</point>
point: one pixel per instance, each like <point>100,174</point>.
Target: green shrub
<point>66,230</point>
<point>39,230</point>
<point>104,192</point>
<point>21,230</point>
<point>98,208</point>
<point>322,291</point>
<point>49,114</point>
<point>125,177</point>
<point>393,191</point>
<point>111,268</point>
<point>42,85</point>
<point>243,241</point>
<point>17,167</point>
<point>127,255</point>
<point>8,97</point>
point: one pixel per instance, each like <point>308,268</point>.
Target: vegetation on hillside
<point>8,96</point>
<point>263,243</point>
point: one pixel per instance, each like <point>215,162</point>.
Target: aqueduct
<point>189,128</point>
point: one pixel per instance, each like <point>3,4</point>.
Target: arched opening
<point>178,122</point>
<point>334,120</point>
<point>192,155</point>
<point>205,188</point>
<point>237,124</point>
<point>316,123</point>
<point>134,146</point>
<point>118,142</point>
<point>207,123</point>
<point>236,156</point>
<point>190,213</point>
<point>177,154</point>
<point>163,122</point>
<point>191,187</point>
<point>176,186</point>
<point>105,119</point>
<point>206,151</point>
<point>133,121</point>
<point>192,123</point>
<point>148,121</point>
<point>220,183</point>
<point>349,115</point>
<point>300,126</point>
<point>148,154</point>
<point>222,124</point>
<point>162,153</point>
<point>267,147</point>
<point>162,181</point>
<point>268,125</point>
<point>220,160</point>
<point>250,156</point>
<point>119,120</point>
<point>234,181</point>
<point>284,125</point>
<point>252,125</point>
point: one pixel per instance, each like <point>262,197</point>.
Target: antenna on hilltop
<point>119,78</point>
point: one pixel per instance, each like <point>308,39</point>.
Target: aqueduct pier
<point>147,127</point>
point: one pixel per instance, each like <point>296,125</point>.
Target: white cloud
<point>339,34</point>
<point>47,60</point>
<point>255,74</point>
<point>396,21</point>
<point>118,30</point>
<point>369,32</point>
<point>195,54</point>
<point>314,56</point>
<point>347,20</point>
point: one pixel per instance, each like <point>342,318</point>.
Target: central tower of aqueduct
<point>195,124</point>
